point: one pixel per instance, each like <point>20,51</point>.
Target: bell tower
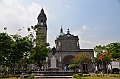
<point>42,18</point>
<point>41,32</point>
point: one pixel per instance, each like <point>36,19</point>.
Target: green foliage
<point>73,66</point>
<point>18,51</point>
<point>107,53</point>
<point>6,43</point>
<point>77,76</point>
<point>99,49</point>
<point>40,51</point>
<point>86,75</point>
<point>96,76</point>
<point>103,57</point>
<point>38,55</point>
<point>18,75</point>
<point>30,77</point>
<point>81,58</point>
<point>12,75</point>
<point>4,76</point>
<point>13,49</point>
<point>114,48</point>
<point>114,75</point>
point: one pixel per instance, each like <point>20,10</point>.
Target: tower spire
<point>42,10</point>
<point>61,30</point>
<point>42,18</point>
<point>42,28</point>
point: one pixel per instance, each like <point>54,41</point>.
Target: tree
<point>12,49</point>
<point>15,49</point>
<point>103,57</point>
<point>38,55</point>
<point>81,59</point>
<point>108,53</point>
<point>114,48</point>
<point>22,47</point>
<point>73,66</point>
<point>5,47</point>
<point>38,52</point>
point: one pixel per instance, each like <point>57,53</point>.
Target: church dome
<point>60,34</point>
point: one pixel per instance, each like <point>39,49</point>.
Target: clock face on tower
<point>41,23</point>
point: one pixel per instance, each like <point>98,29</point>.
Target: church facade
<point>67,47</point>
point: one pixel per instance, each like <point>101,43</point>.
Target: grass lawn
<point>102,78</point>
<point>83,78</point>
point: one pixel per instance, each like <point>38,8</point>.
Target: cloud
<point>14,16</point>
<point>95,28</point>
<point>50,31</point>
<point>77,32</point>
<point>106,27</point>
<point>84,27</point>
<point>101,27</point>
<point>104,42</point>
<point>87,43</point>
<point>66,6</point>
<point>50,38</point>
<point>93,36</point>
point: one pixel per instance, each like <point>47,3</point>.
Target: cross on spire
<point>68,31</point>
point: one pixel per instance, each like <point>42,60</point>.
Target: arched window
<point>77,43</point>
<point>59,43</point>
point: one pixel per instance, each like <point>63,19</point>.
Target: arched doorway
<point>66,61</point>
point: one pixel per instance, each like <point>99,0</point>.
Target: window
<point>59,43</point>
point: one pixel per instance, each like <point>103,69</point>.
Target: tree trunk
<point>102,69</point>
<point>111,66</point>
<point>107,69</point>
<point>80,67</point>
<point>119,66</point>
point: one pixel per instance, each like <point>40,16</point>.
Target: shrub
<point>12,75</point>
<point>73,66</point>
<point>30,77</point>
<point>18,75</point>
<point>114,75</point>
<point>4,76</point>
<point>77,76</point>
<point>86,75</point>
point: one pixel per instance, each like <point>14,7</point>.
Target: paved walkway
<point>53,77</point>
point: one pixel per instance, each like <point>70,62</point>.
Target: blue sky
<point>96,22</point>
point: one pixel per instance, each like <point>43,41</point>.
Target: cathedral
<point>67,46</point>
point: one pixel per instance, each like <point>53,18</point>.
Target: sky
<point>95,22</point>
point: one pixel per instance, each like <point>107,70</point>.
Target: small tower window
<point>41,20</point>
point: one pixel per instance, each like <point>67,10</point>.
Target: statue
<point>53,51</point>
<point>53,58</point>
